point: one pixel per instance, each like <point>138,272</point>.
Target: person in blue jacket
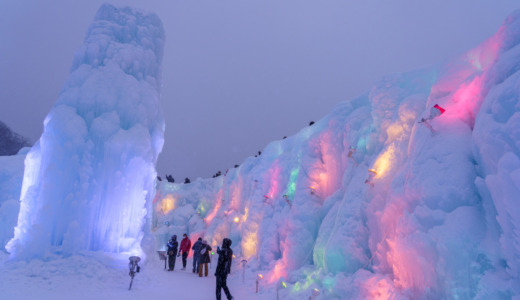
<point>172,245</point>
<point>196,253</point>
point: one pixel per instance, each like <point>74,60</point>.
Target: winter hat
<point>204,242</point>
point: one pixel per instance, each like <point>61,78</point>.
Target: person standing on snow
<point>185,249</point>
<point>225,257</point>
<point>204,258</point>
<point>172,252</point>
<point>196,254</point>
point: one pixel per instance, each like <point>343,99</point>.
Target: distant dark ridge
<point>10,141</point>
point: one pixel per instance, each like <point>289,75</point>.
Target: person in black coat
<point>196,254</point>
<point>172,245</point>
<point>204,258</point>
<point>225,258</point>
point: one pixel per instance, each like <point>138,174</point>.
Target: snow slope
<point>438,219</point>
<point>89,178</point>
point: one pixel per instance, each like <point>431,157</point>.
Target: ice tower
<point>89,178</point>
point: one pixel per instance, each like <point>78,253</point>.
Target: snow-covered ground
<point>102,276</point>
<point>367,203</point>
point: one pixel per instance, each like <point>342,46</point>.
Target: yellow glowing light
<point>167,204</point>
<point>260,276</point>
<point>284,285</point>
<point>384,162</point>
<point>250,241</point>
<point>234,256</point>
<point>236,219</point>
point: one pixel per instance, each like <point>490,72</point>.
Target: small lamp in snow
<point>286,197</point>
<point>435,111</point>
<point>351,152</point>
<point>315,293</point>
<point>281,285</point>
<point>162,256</point>
<point>313,190</point>
<point>258,278</point>
<point>371,175</point>
<point>134,268</point>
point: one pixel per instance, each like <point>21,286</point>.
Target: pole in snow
<point>244,262</point>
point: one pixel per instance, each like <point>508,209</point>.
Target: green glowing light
<point>284,285</point>
<point>291,187</point>
<point>329,283</point>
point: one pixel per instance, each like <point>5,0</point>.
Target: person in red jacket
<point>185,249</point>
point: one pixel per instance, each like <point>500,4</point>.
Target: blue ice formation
<point>89,178</point>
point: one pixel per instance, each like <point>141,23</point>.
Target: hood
<point>226,243</point>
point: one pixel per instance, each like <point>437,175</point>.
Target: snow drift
<point>88,179</point>
<point>437,217</point>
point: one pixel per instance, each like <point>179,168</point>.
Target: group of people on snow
<point>201,259</point>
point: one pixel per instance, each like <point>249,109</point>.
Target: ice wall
<point>437,219</point>
<point>88,179</point>
<point>11,175</point>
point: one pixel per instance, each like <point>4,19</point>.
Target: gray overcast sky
<point>239,74</point>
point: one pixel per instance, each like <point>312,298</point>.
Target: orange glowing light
<point>236,220</point>
<point>167,204</point>
<point>260,276</point>
<point>250,241</point>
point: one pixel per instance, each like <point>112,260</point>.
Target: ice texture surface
<point>436,217</point>
<point>88,179</point>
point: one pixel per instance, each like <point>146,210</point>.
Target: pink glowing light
<point>216,208</point>
<point>278,272</point>
<point>274,180</point>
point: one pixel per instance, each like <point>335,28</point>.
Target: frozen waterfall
<point>89,178</point>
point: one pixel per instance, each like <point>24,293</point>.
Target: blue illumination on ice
<point>88,181</point>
